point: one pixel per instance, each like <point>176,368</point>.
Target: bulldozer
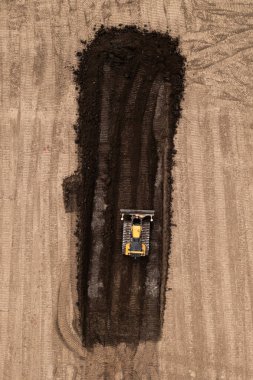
<point>136,232</point>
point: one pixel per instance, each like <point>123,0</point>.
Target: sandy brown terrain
<point>207,332</point>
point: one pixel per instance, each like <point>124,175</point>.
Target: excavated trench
<point>130,87</point>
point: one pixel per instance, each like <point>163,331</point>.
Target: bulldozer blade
<point>139,213</point>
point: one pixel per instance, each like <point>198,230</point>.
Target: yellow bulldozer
<point>136,232</point>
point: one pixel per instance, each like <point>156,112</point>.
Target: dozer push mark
<point>136,232</point>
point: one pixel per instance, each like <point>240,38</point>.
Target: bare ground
<point>207,333</point>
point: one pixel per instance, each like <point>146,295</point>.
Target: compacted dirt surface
<point>131,84</point>
<point>207,321</point>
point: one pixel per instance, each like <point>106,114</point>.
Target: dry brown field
<point>208,326</point>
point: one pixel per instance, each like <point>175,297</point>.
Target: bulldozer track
<point>145,235</point>
<point>126,234</point>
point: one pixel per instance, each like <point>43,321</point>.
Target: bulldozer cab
<point>136,228</point>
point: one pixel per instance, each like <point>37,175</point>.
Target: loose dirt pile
<point>131,84</point>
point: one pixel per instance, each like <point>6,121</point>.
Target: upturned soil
<point>130,86</point>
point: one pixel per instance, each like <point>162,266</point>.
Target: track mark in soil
<point>130,86</point>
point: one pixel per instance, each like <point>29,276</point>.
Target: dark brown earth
<point>130,87</point>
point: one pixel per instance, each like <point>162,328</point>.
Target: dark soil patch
<point>130,87</point>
